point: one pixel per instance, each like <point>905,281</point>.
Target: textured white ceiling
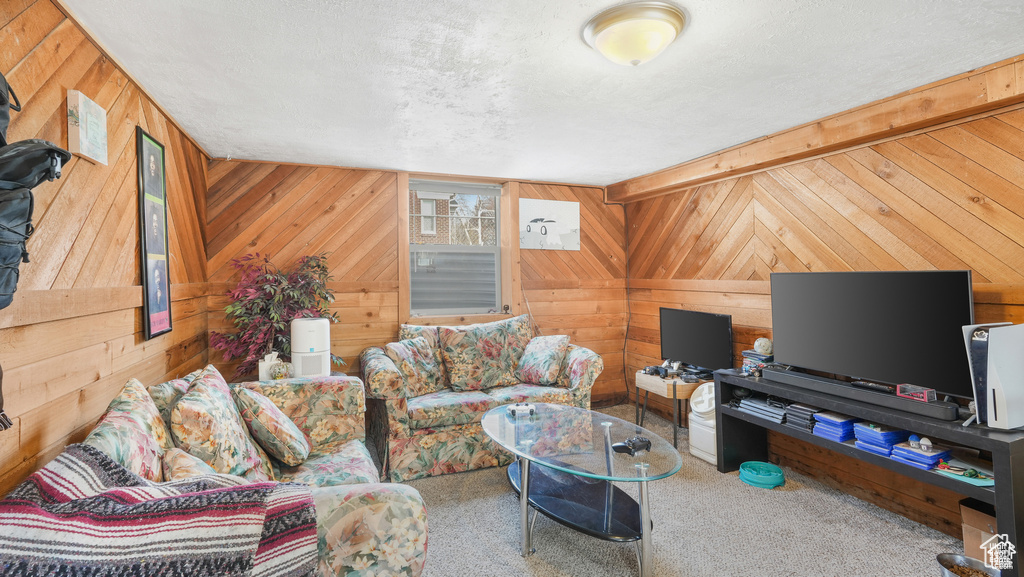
<point>506,88</point>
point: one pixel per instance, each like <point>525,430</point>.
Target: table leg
<point>675,417</point>
<point>526,533</point>
<point>636,406</point>
<point>643,413</point>
<point>609,495</point>
<point>646,547</point>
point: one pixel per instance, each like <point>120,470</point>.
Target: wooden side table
<point>671,388</point>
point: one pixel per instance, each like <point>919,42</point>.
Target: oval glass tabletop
<point>580,442</point>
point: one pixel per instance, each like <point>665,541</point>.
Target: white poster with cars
<point>549,224</point>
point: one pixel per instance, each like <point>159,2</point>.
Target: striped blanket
<point>86,515</point>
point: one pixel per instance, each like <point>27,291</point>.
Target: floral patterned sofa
<point>428,392</point>
<point>200,425</point>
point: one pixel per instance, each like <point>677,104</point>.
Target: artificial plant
<point>264,303</point>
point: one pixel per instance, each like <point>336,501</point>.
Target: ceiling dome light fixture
<point>631,34</point>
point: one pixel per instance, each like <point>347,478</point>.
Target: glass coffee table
<point>579,466</point>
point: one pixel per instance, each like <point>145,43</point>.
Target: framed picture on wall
<point>156,286</point>
<point>549,224</point>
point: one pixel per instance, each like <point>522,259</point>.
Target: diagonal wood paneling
<point>582,293</point>
<point>290,211</point>
<point>951,198</point>
<point>973,93</point>
<point>73,335</point>
<point>287,211</point>
<point>948,198</point>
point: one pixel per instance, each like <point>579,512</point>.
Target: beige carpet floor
<point>705,524</point>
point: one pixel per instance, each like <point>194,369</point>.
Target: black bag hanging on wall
<point>5,121</point>
<point>15,228</point>
<point>27,163</point>
<point>23,165</point>
<point>6,106</point>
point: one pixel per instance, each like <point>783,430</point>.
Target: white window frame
<point>430,186</point>
<point>511,280</point>
<point>426,216</point>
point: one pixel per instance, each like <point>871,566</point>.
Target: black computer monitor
<point>701,340</point>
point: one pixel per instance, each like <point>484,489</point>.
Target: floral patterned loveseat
<point>198,425</point>
<point>428,392</point>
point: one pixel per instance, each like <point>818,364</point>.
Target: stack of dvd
<point>918,457</point>
<point>878,439</point>
<point>801,416</point>
<point>834,426</point>
<point>754,361</point>
<point>760,408</point>
<point>752,354</point>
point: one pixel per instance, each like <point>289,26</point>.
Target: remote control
<point>875,387</point>
<point>632,446</point>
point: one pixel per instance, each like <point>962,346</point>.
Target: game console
<point>997,368</point>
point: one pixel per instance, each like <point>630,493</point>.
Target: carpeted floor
<point>705,524</point>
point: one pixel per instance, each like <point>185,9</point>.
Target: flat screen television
<point>884,327</point>
<point>702,340</point>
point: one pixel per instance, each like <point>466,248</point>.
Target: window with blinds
<point>454,253</point>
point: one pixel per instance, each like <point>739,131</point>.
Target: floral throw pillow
<point>134,400</point>
<point>180,465</point>
<point>125,440</point>
<point>206,423</point>
<point>406,332</point>
<point>271,428</point>
<point>485,355</point>
<point>473,357</point>
<point>520,331</point>
<point>415,359</point>
<point>542,361</point>
<point>168,393</point>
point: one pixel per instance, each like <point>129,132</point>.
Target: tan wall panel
<point>583,291</point>
<point>73,335</point>
<point>286,211</point>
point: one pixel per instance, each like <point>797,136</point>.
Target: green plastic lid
<point>761,474</point>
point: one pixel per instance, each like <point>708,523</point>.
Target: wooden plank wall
<point>73,335</point>
<point>582,293</point>
<point>979,91</point>
<point>286,211</point>
<point>947,198</point>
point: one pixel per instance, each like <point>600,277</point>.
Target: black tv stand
<point>743,437</point>
<point>937,409</point>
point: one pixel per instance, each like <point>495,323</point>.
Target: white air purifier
<point>703,440</point>
<point>311,347</point>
